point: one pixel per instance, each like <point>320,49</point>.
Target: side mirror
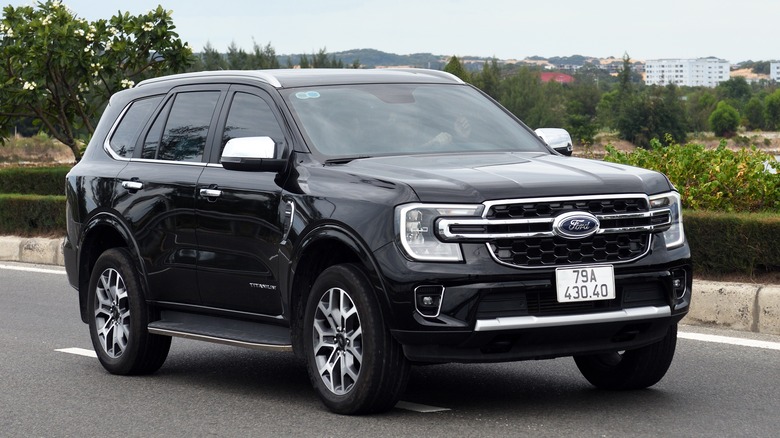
<point>252,154</point>
<point>557,138</point>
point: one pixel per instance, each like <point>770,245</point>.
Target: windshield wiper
<point>345,160</point>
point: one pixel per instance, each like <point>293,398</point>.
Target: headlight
<point>675,235</point>
<point>415,227</point>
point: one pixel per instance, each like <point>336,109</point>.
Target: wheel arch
<point>321,248</point>
<point>104,231</point>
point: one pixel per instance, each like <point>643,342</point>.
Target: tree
<point>211,59</point>
<point>61,70</point>
<point>455,67</point>
<point>754,113</point>
<point>582,102</point>
<point>237,58</point>
<point>489,79</point>
<point>772,111</point>
<point>735,90</point>
<point>724,120</point>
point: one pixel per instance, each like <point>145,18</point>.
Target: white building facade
<point>774,71</point>
<point>701,72</point>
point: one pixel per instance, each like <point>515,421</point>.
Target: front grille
<point>557,251</point>
<point>552,208</point>
<point>520,232</point>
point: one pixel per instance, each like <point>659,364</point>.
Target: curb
<point>736,306</point>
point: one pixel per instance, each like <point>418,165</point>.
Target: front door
<point>238,214</point>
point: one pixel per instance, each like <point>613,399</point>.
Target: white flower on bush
<point>148,26</point>
<point>83,88</point>
<point>113,31</point>
<point>29,86</point>
<point>56,4</point>
<point>108,45</point>
<point>9,33</point>
<point>46,20</point>
<point>127,83</point>
<point>79,32</point>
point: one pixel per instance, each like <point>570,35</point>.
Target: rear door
<point>239,216</point>
<point>156,190</point>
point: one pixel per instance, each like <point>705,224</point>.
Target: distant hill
<point>371,58</point>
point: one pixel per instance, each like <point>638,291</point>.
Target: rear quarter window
<point>125,136</point>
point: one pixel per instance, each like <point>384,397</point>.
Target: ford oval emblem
<point>575,225</point>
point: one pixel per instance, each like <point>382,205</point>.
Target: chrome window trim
<point>107,141</point>
<point>531,322</point>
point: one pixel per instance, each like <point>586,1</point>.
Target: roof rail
<point>257,74</point>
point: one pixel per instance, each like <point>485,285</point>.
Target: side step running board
<point>233,332</point>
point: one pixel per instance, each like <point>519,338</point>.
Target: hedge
<point>32,215</point>
<point>733,243</point>
<point>34,180</point>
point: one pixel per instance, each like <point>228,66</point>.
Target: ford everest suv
<point>367,220</point>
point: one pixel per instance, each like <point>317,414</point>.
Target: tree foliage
<point>60,70</point>
<point>455,67</point>
<point>724,121</point>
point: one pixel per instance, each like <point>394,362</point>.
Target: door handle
<point>132,185</point>
<point>210,193</point>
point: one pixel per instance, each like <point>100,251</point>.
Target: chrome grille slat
<point>519,232</point>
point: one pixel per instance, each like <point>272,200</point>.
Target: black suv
<point>366,220</point>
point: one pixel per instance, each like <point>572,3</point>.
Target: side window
<point>250,116</point>
<point>124,138</point>
<point>187,127</point>
<point>152,140</point>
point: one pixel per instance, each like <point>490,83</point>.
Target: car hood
<point>475,178</point>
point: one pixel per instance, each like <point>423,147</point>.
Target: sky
<point>505,29</point>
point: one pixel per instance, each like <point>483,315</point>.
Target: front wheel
<point>119,317</point>
<point>631,369</point>
<point>354,364</point>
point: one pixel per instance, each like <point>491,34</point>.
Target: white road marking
<point>425,409</point>
<point>28,269</point>
<point>731,341</point>
<point>78,351</point>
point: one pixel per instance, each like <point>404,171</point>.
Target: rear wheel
<point>119,318</point>
<point>631,369</point>
<point>354,364</point>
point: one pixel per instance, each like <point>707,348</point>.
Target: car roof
<point>293,78</point>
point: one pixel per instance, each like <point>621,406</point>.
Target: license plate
<point>585,283</point>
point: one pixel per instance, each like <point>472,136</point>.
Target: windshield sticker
<point>307,95</point>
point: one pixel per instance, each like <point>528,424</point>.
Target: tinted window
<point>184,138</point>
<point>152,140</point>
<point>250,116</point>
<point>126,133</point>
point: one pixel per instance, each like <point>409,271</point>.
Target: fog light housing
<point>428,299</point>
<point>679,283</point>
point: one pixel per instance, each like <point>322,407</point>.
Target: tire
<point>354,364</point>
<point>632,369</point>
<point>119,318</point>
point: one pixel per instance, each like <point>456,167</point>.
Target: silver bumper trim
<point>526,322</point>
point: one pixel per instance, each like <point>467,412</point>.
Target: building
<point>701,72</point>
<point>774,71</point>
<point>556,77</point>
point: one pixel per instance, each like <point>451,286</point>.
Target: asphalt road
<point>713,389</point>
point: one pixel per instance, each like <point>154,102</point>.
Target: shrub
<point>735,243</point>
<point>34,180</point>
<point>32,215</point>
<point>712,179</point>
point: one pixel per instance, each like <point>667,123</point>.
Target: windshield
<point>350,121</point>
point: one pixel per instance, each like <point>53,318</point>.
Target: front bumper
<point>495,313</point>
